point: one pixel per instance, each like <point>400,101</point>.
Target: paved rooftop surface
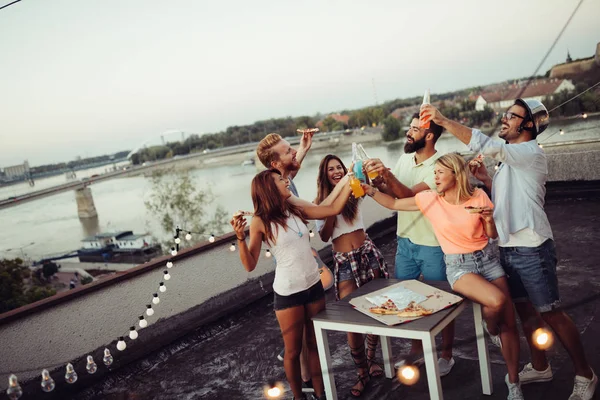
<point>234,357</point>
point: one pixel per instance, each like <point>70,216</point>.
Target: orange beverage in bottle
<point>371,174</point>
<point>426,100</point>
<point>357,190</point>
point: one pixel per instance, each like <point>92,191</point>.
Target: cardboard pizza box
<point>432,298</point>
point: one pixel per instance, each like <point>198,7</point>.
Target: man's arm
<point>305,145</point>
<point>462,133</point>
<point>389,184</point>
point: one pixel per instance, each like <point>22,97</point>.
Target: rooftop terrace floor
<point>234,357</point>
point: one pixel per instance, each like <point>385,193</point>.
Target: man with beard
<point>418,250</point>
<point>527,251</point>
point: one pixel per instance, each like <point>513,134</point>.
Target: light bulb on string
<point>169,264</point>
<point>121,345</point>
<point>149,310</point>
<point>173,251</point>
<point>70,375</point>
<point>268,253</point>
<point>542,338</point>
<point>232,247</point>
<point>108,358</point>
<point>561,132</point>
<point>188,236</point>
<point>167,276</point>
<point>541,146</point>
<point>155,299</point>
<point>133,333</point>
<point>496,167</point>
<point>177,240</point>
<point>48,383</point>
<point>211,239</point>
<point>311,233</point>
<point>584,116</point>
<point>408,374</point>
<point>161,287</point>
<point>143,323</point>
<point>91,366</point>
<point>14,390</point>
<point>273,390</point>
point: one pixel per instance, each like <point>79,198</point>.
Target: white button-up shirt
<point>518,187</point>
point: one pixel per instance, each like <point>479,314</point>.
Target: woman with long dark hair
<point>357,261</point>
<point>298,292</point>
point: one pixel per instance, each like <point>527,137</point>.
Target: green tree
<point>391,129</point>
<point>328,124</point>
<point>175,201</point>
<point>13,291</point>
<point>49,269</point>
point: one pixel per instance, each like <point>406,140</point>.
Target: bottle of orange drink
<point>357,190</point>
<point>426,100</point>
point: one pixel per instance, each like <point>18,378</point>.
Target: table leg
<point>386,350</point>
<point>482,351</point>
<point>431,365</point>
<point>325,360</point>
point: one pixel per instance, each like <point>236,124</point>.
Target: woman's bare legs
<point>498,312</point>
<point>291,322</point>
<point>310,310</point>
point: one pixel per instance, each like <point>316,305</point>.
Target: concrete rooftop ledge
<point>234,356</point>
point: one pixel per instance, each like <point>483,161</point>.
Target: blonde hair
<point>459,168</point>
<point>264,150</point>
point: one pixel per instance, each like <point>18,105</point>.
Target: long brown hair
<point>270,206</point>
<point>324,188</point>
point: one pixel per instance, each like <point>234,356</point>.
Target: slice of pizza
<point>310,130</point>
<point>243,213</point>
<point>477,161</point>
<point>382,311</point>
<point>474,209</point>
<point>414,310</point>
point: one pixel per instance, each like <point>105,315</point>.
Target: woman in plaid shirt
<point>357,261</point>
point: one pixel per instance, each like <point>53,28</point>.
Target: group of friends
<point>498,252</point>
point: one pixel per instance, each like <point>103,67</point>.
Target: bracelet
<point>242,239</point>
<point>371,193</point>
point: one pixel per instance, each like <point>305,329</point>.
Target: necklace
<point>300,234</point>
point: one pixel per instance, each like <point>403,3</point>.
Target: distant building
<point>403,113</point>
<point>343,119</point>
<point>16,172</point>
<point>539,89</point>
<point>572,67</point>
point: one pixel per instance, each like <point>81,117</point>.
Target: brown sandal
<point>372,341</point>
<point>360,360</point>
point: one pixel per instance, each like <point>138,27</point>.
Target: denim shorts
<point>345,269</point>
<point>413,259</point>
<point>307,296</point>
<point>482,262</point>
<point>532,274</point>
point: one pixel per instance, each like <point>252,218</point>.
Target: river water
<point>52,224</point>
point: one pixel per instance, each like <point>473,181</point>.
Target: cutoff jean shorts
<point>307,296</point>
<point>484,262</point>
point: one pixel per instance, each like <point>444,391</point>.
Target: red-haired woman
<point>297,287</point>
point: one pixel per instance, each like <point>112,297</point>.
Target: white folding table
<point>341,316</point>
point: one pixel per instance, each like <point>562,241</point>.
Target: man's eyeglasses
<point>510,115</point>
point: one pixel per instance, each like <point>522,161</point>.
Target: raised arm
<point>406,204</point>
<point>324,211</point>
<point>430,113</point>
<point>249,254</point>
<point>388,183</point>
<point>305,145</point>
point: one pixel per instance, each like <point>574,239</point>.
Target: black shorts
<point>310,295</point>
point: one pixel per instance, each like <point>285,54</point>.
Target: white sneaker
<point>417,363</point>
<point>495,339</point>
<point>514,390</point>
<point>584,388</point>
<point>445,366</point>
<point>531,375</point>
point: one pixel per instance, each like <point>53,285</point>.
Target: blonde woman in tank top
<point>298,292</point>
<point>357,261</point>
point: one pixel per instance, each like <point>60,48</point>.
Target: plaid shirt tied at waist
<point>360,264</point>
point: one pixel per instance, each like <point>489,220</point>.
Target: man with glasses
<point>527,250</point>
<point>418,251</point>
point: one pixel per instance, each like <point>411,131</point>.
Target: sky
<point>87,78</point>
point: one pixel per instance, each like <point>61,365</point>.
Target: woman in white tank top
<point>298,291</point>
<point>357,261</point>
